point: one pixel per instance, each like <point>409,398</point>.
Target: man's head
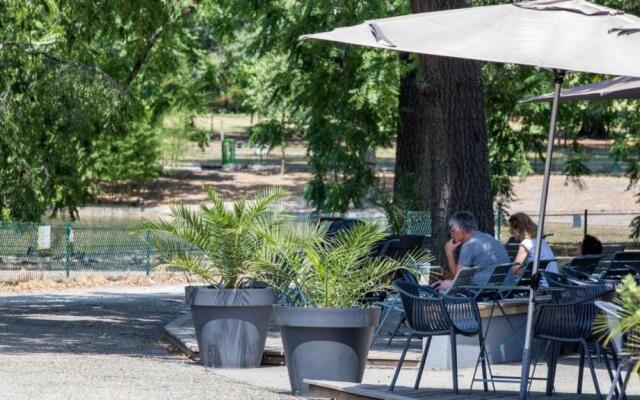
<point>462,225</point>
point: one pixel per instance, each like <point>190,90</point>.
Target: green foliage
<point>334,273</point>
<point>629,300</point>
<point>230,239</point>
<point>269,134</point>
<point>344,99</point>
<point>84,78</point>
<point>133,158</point>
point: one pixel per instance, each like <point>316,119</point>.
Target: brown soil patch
<point>38,285</point>
<point>187,187</point>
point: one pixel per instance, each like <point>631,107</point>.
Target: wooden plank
<point>381,392</point>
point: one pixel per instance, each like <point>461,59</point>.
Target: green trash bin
<point>228,153</point>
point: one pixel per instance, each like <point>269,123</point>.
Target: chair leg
<point>616,363</point>
<point>630,372</point>
<point>592,368</point>
<point>551,360</point>
<point>454,362</point>
<point>580,371</point>
<point>386,311</point>
<point>400,362</point>
<point>609,370</point>
<point>485,356</point>
<point>614,382</point>
<point>424,359</point>
<point>395,331</point>
<point>551,371</point>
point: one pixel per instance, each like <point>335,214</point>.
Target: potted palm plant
<point>326,328</point>
<point>628,309</point>
<point>230,313</point>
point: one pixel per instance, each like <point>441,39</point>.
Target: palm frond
<point>329,273</point>
<point>225,242</point>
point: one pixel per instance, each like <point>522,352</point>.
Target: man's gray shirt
<point>483,253</point>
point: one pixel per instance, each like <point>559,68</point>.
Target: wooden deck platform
<point>355,391</point>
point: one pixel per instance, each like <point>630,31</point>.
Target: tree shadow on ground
<point>100,323</point>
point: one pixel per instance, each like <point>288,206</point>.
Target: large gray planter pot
<point>231,324</point>
<point>325,343</point>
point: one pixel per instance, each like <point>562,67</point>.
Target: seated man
<point>478,250</point>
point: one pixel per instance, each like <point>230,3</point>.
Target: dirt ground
<point>600,193</point>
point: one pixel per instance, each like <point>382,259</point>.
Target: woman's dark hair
<point>591,245</point>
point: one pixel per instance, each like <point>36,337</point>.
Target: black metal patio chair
<point>568,318</point>
<point>431,314</point>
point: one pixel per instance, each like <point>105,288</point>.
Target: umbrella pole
<point>526,351</point>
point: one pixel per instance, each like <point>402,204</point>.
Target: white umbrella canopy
<point>570,35</point>
<point>561,35</point>
<point>622,87</point>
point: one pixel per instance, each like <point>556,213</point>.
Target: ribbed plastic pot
<point>325,343</point>
<point>231,324</point>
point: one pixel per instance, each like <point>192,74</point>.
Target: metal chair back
<point>570,315</point>
<point>525,278</point>
<point>585,264</point>
<point>461,282</point>
<point>425,314</point>
<point>400,246</point>
<point>512,249</point>
<point>499,276</point>
<point>620,265</point>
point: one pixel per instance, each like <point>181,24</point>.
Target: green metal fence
<point>31,250</point>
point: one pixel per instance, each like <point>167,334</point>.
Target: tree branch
<point>75,64</point>
<point>144,54</point>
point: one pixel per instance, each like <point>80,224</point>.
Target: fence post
<point>147,258</point>
<point>67,249</point>
<point>586,213</point>
<point>499,223</point>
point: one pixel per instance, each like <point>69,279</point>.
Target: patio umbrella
<point>622,87</point>
<point>561,35</point>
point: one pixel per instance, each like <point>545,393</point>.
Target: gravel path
<point>102,344</point>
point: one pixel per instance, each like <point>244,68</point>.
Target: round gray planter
<point>325,343</point>
<point>231,324</point>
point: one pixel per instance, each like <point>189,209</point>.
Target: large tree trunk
<point>442,137</point>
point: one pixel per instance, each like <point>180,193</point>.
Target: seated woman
<point>524,229</point>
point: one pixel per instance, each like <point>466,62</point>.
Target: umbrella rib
<point>380,37</point>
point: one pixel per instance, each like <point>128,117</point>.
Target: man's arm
<point>449,250</point>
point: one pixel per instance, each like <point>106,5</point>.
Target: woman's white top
<point>545,254</point>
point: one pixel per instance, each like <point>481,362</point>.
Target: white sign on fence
<point>44,237</point>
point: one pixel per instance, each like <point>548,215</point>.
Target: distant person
<point>524,229</point>
<point>589,245</point>
<point>478,250</point>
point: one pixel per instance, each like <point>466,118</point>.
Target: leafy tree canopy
<point>82,79</point>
